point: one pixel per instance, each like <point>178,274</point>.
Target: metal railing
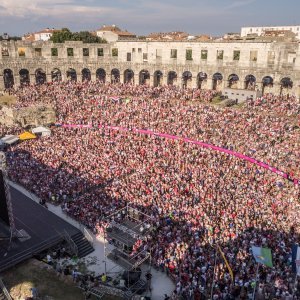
<point>4,290</point>
<point>88,235</point>
<point>71,243</point>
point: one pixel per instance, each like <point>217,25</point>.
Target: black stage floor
<point>44,228</point>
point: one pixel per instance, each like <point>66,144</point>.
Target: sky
<point>212,17</point>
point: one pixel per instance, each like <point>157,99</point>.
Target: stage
<point>41,229</point>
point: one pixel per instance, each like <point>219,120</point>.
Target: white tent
<point>10,139</point>
<point>41,130</point>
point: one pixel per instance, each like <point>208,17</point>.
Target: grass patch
<point>36,274</point>
<point>240,105</point>
<point>216,100</point>
<point>7,100</point>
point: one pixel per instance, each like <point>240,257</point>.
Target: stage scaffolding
<point>126,236</point>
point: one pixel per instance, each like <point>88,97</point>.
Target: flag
<point>226,263</point>
<point>296,259</point>
<point>262,256</point>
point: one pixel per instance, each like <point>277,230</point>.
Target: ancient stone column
<point>93,76</point>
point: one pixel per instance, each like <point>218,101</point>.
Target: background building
<point>260,31</point>
<point>113,33</point>
<point>43,35</point>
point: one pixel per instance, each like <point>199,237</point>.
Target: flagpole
<point>256,277</point>
<point>213,282</point>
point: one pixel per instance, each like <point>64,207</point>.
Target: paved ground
<point>161,284</point>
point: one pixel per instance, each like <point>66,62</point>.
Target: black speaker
<point>131,277</point>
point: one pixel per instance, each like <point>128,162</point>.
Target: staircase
<point>83,245</point>
<point>98,294</point>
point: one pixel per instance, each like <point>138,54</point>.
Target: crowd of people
<point>197,198</point>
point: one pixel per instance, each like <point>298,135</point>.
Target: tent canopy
<point>41,130</point>
<point>10,139</point>
<point>27,136</point>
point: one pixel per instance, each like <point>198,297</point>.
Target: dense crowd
<point>197,198</point>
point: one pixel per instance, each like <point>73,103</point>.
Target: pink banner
<point>188,140</point>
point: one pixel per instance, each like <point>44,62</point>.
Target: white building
<point>113,33</point>
<point>43,35</point>
<point>261,30</point>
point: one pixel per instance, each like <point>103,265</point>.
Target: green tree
<point>66,35</point>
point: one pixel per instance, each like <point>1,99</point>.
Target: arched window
<point>40,76</point>
<point>217,81</point>
<point>24,77</point>
<point>56,75</point>
<point>186,77</point>
<point>115,76</point>
<point>8,78</point>
<point>157,78</point>
<point>86,75</point>
<point>250,82</point>
<point>285,84</point>
<point>144,77</point>
<point>128,76</point>
<point>172,77</point>
<point>201,77</point>
<point>101,75</point>
<point>232,81</point>
<point>71,75</point>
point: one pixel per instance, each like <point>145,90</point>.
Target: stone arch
<point>71,74</point>
<point>233,80</point>
<point>129,76</point>
<point>172,77</point>
<point>157,78</point>
<point>285,85</point>
<point>40,76</point>
<point>115,76</point>
<point>56,75</point>
<point>144,77</point>
<point>8,78</point>
<point>24,77</point>
<point>250,82</point>
<point>101,75</point>
<point>217,80</point>
<point>86,74</point>
<point>201,78</point>
<point>267,84</point>
<point>186,79</point>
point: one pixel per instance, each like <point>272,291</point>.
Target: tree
<point>66,35</point>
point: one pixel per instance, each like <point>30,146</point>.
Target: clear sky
<point>214,17</point>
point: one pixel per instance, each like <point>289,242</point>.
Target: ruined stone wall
<point>260,59</point>
<point>28,116</point>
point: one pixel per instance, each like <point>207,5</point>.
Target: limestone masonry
<point>264,66</point>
